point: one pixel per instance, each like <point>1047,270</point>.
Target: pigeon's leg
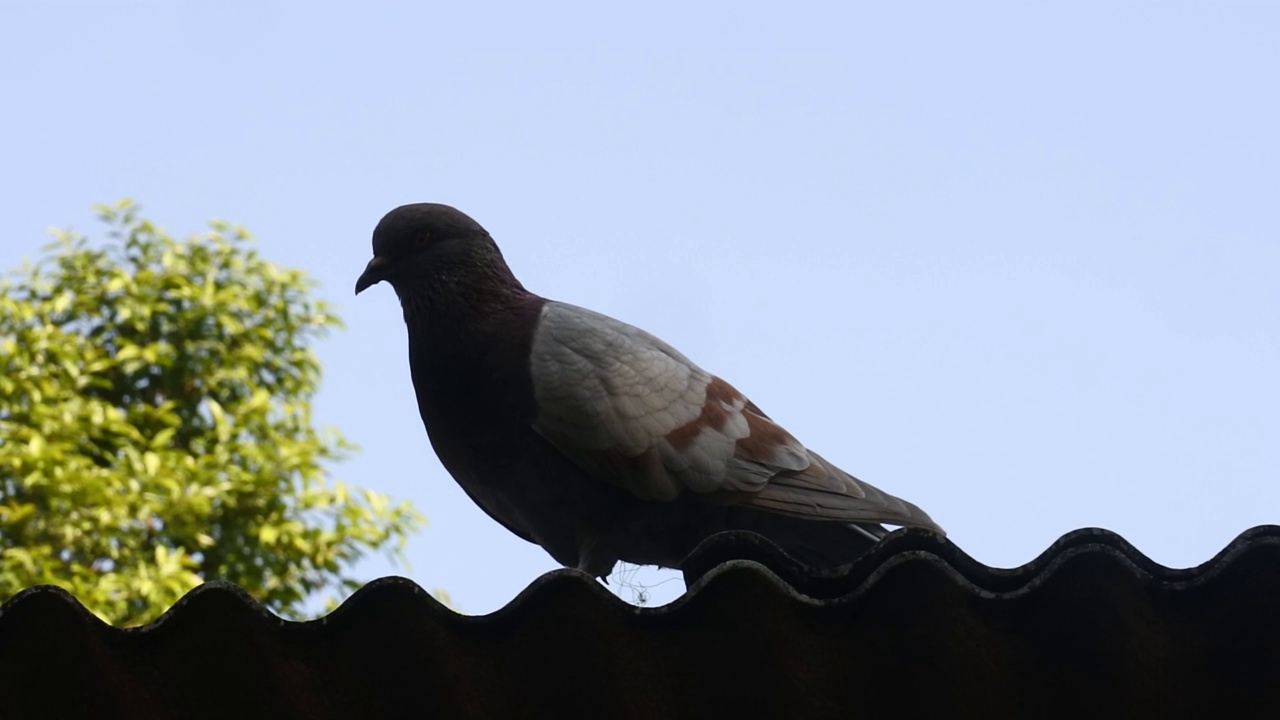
<point>594,558</point>
<point>597,569</point>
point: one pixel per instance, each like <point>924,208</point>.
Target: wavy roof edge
<point>731,559</point>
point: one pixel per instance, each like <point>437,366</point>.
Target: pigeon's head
<point>415,242</point>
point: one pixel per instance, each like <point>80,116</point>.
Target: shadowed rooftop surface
<point>916,626</point>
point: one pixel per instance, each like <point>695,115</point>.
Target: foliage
<point>155,427</point>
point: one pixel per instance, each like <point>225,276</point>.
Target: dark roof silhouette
<point>1091,626</point>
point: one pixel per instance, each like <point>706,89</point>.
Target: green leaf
<point>219,420</point>
<point>151,462</point>
<point>163,437</point>
<point>268,535</point>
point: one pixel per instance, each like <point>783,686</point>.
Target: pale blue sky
<point>1015,262</point>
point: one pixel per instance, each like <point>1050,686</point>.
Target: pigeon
<point>593,438</point>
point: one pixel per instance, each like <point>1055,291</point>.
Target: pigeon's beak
<point>374,273</point>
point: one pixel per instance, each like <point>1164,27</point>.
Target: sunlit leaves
<point>155,427</point>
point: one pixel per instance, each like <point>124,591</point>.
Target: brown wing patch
<point>765,441</point>
<point>721,399</point>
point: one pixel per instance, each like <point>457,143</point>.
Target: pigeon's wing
<point>631,410</point>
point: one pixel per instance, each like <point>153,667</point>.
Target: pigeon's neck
<point>470,336</point>
<point>461,299</point>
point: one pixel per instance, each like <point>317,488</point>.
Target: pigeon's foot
<point>595,560</point>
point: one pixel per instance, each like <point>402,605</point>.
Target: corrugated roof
<point>1091,626</point>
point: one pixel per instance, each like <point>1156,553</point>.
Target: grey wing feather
<point>631,410</point>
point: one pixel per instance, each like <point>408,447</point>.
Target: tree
<point>155,428</point>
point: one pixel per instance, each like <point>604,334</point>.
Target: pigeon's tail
<point>818,544</point>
